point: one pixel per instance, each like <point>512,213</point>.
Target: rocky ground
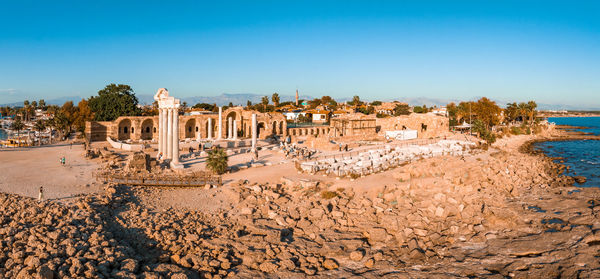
<point>498,213</point>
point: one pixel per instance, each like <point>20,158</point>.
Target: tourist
<point>191,150</point>
<point>160,156</point>
<point>340,148</point>
<point>64,159</point>
<point>346,148</point>
<point>41,194</point>
<point>256,154</point>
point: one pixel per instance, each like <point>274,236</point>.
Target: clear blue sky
<point>543,50</point>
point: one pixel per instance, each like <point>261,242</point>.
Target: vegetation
<point>418,109</point>
<point>17,125</point>
<point>114,101</point>
<point>328,195</point>
<point>275,99</point>
<point>217,160</point>
<point>376,103</point>
<point>401,109</point>
<point>355,101</point>
<point>40,126</point>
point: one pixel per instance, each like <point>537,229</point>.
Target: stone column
<point>210,128</point>
<point>160,147</point>
<point>235,130</point>
<point>170,134</point>
<point>164,127</point>
<point>254,132</point>
<point>175,158</point>
<point>220,123</point>
<point>229,128</point>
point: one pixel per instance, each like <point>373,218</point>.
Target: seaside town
<point>299,139</point>
<point>288,189</point>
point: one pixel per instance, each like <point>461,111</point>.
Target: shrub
<point>217,160</point>
<point>328,195</point>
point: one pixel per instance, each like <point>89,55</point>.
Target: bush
<point>217,161</point>
<point>328,195</point>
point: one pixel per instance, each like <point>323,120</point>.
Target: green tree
<point>25,109</point>
<point>401,109</point>
<point>376,103</point>
<point>34,104</point>
<point>248,103</point>
<point>355,101</point>
<point>484,133</point>
<point>452,110</point>
<point>217,160</point>
<point>275,99</point>
<point>419,109</point>
<point>114,101</point>
<point>40,125</point>
<point>511,112</point>
<point>42,104</point>
<point>18,125</point>
<point>265,102</point>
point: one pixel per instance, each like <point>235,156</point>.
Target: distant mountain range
<point>242,98</point>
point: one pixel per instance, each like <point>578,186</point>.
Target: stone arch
<point>233,116</point>
<point>124,132</point>
<point>147,129</point>
<point>281,127</point>
<point>260,128</point>
<point>190,128</point>
<point>274,128</point>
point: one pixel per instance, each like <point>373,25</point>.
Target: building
<point>387,108</point>
<point>319,116</point>
<point>353,125</point>
<point>200,126</point>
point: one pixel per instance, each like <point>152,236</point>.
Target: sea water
<point>583,156</point>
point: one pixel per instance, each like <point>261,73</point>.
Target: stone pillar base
<point>176,165</point>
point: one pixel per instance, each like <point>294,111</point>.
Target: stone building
<point>201,126</point>
<point>428,125</point>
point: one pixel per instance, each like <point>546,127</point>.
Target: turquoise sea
<point>582,155</point>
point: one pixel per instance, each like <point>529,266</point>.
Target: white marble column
<point>210,129</point>
<point>235,130</point>
<point>220,123</point>
<point>175,158</point>
<point>160,147</point>
<point>229,128</point>
<point>170,134</point>
<point>164,133</point>
<point>254,132</point>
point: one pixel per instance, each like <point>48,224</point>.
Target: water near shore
<point>583,156</point>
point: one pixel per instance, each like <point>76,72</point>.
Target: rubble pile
<point>376,160</point>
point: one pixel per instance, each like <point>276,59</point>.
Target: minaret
<point>296,97</point>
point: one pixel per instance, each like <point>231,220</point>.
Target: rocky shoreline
<point>495,213</point>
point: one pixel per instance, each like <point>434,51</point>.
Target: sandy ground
<point>24,170</point>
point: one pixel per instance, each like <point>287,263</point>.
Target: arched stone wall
<point>147,129</point>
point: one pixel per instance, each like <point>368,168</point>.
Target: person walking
<point>41,194</point>
<point>64,160</point>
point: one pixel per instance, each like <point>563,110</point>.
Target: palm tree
<point>275,99</point>
<point>51,123</point>
<point>17,125</point>
<point>265,102</point>
<point>217,160</point>
<point>40,125</point>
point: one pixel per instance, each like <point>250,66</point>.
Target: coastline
<point>500,211</point>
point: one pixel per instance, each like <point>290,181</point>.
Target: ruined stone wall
<point>137,128</point>
<point>436,125</point>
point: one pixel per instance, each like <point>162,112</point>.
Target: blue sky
<point>508,50</point>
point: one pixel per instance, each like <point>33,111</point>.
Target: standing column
<point>175,139</point>
<point>220,123</point>
<point>163,128</point>
<point>160,116</point>
<point>254,132</point>
<point>170,134</point>
<point>234,129</point>
<point>210,128</point>
<point>229,128</point>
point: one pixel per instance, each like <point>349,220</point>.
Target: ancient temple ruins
<point>168,123</point>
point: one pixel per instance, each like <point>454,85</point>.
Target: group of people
<point>343,147</point>
<point>62,160</point>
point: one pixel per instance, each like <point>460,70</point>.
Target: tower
<point>296,97</point>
